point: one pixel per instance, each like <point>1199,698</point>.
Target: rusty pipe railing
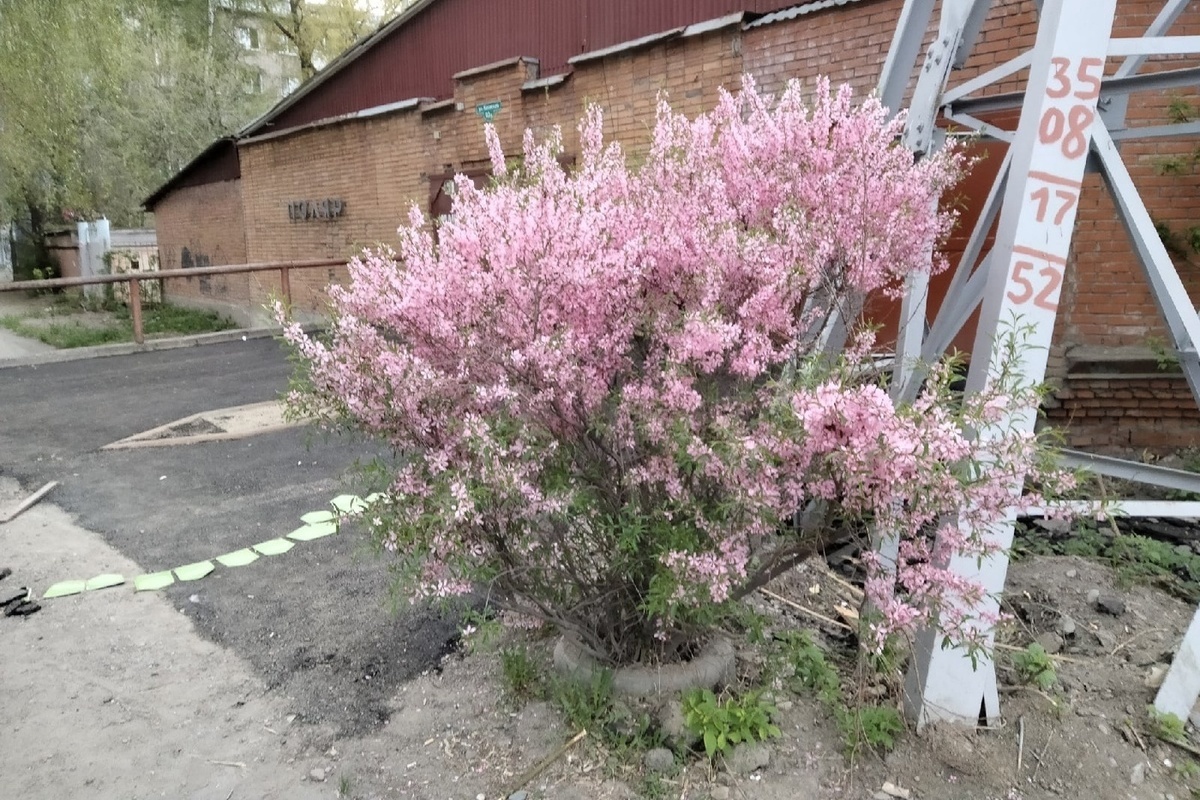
<point>134,280</point>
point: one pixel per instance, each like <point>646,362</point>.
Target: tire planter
<point>713,665</point>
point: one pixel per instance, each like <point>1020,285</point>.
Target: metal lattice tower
<point>1072,121</point>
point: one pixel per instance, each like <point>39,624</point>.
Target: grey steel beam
<point>1170,295</point>
<point>1150,474</point>
<point>1155,81</point>
<point>903,52</point>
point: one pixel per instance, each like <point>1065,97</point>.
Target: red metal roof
<point>417,54</point>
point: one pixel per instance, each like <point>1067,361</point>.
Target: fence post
<point>285,285</point>
<point>135,310</point>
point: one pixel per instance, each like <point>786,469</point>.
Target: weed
<point>156,321</point>
<point>1035,666</point>
<point>1186,769</point>
<point>586,705</point>
<point>723,723</point>
<point>875,727</point>
<point>1133,558</point>
<point>522,678</point>
<point>811,671</point>
<point>344,786</point>
<point>482,632</point>
<point>872,726</point>
<point>1167,727</point>
<point>655,787</point>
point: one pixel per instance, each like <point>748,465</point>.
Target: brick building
<point>336,166</point>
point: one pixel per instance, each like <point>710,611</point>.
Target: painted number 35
<point>1070,127</point>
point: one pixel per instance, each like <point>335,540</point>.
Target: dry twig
<point>805,610</point>
<point>545,763</point>
<point>1021,745</point>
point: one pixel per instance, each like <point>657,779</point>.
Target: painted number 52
<point>1024,292</point>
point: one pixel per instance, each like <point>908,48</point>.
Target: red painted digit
<point>1069,200</point>
<point>1061,65</point>
<point>1054,122</point>
<point>1019,278</point>
<point>1075,143</point>
<point>1054,277</point>
<point>1042,196</point>
<point>1084,76</point>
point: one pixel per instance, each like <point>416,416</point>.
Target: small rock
<point>785,705</point>
<point>1110,604</point>
<point>674,726</point>
<point>1050,642</point>
<point>1154,678</point>
<point>1138,776</point>
<point>1071,573</point>
<point>1066,626</point>
<point>1055,525</point>
<point>194,598</point>
<point>1093,596</point>
<point>1194,718</point>
<point>520,794</point>
<point>892,790</point>
<point>1107,731</point>
<point>317,774</point>
<point>1143,658</point>
<point>660,759</point>
<point>748,757</point>
<point>719,793</point>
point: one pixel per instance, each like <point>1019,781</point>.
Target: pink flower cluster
<point>604,387</point>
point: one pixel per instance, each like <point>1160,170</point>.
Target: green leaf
<point>710,743</point>
<point>309,532</point>
<point>273,547</point>
<point>104,581</point>
<point>194,572</point>
<point>64,589</point>
<point>238,558</point>
<point>348,503</point>
<point>153,581</point>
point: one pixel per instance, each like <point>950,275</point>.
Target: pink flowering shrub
<point>605,391</point>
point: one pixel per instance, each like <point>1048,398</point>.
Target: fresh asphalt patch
<point>317,622</point>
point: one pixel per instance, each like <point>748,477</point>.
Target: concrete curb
<point>123,349</point>
<point>713,666</point>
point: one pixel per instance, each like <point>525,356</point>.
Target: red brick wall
<point>379,166</point>
<point>203,226</point>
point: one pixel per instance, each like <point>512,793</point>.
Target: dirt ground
<point>113,694</point>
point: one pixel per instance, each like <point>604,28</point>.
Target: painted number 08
<point>1070,127</point>
<point>1042,299</point>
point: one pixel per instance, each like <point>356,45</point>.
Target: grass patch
<point>863,726</point>
<point>1133,559</point>
<point>64,332</point>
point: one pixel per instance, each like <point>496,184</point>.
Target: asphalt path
<point>317,622</point>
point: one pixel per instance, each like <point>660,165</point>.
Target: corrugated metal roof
<point>799,11</point>
<point>623,46</point>
<point>417,53</point>
<point>336,65</point>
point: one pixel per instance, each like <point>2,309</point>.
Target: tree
<point>606,392</point>
<point>103,100</point>
<point>320,31</point>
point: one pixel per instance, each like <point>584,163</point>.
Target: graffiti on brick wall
<point>188,260</point>
<point>304,210</point>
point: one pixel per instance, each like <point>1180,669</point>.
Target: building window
<point>290,85</point>
<point>247,37</point>
<point>254,83</point>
